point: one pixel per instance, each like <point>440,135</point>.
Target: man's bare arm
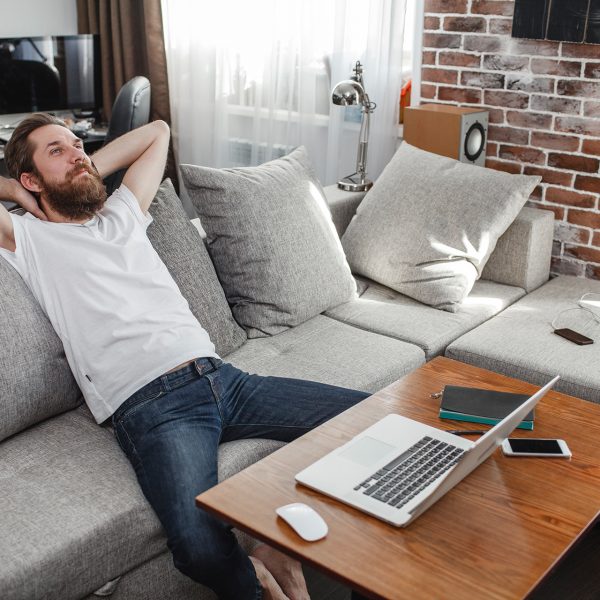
<point>143,152</point>
<point>11,189</point>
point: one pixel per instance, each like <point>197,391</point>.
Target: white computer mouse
<point>304,520</point>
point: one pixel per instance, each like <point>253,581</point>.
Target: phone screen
<point>537,446</point>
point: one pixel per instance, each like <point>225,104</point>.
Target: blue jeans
<point>171,429</point>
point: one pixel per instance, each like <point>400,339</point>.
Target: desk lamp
<point>349,93</point>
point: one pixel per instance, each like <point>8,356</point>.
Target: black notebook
<point>481,406</point>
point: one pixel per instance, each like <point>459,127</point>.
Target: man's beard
<point>78,196</point>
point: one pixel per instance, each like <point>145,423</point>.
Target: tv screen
<point>50,73</point>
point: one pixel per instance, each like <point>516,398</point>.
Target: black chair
<point>131,109</point>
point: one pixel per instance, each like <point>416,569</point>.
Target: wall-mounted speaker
<point>454,131</point>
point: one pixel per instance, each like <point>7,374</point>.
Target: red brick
<point>428,57</point>
<point>529,119</point>
<point>592,70</point>
<point>596,239</point>
<point>493,7</point>
<point>500,165</point>
<point>440,75</point>
<point>591,147</point>
<point>592,109</point>
<point>560,266</point>
<point>522,154</point>
<point>550,176</point>
<point>459,59</point>
<point>571,87</point>
<point>537,192</point>
<point>526,83</point>
<point>580,126</point>
<point>555,141</point>
<point>484,43</point>
<point>508,134</point>
<point>587,183</point>
<point>557,105</point>
<point>592,272</point>
<point>585,218</point>
<point>431,23</point>
<point>569,197</point>
<point>502,62</point>
<point>500,26</point>
<point>428,91</point>
<point>441,40</point>
<point>534,47</point>
<point>582,252</point>
<point>491,149</point>
<point>572,162</point>
<point>571,234</point>
<point>445,6</point>
<point>465,24</point>
<point>496,115</point>
<point>482,80</point>
<point>460,95</point>
<point>580,50</point>
<point>547,66</point>
<point>506,99</point>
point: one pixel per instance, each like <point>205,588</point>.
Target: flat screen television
<point>51,73</point>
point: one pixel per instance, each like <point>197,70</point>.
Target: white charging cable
<point>589,302</point>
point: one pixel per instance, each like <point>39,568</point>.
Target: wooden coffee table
<point>493,536</point>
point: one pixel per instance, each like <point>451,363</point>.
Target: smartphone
<point>574,336</point>
<point>536,447</point>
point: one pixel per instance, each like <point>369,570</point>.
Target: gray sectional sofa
<point>74,522</point>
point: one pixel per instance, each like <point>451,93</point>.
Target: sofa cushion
<point>272,240</point>
<point>73,515</point>
<point>385,311</point>
<point>520,342</point>
<point>35,378</point>
<point>180,247</point>
<point>429,224</point>
<point>325,350</point>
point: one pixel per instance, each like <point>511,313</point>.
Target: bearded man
<point>137,352</point>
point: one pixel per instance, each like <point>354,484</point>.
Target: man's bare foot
<point>271,589</point>
<point>286,570</point>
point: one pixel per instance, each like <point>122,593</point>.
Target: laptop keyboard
<point>402,479</point>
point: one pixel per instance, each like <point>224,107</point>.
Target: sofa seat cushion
<point>325,350</point>
<point>387,312</point>
<point>520,341</point>
<point>73,515</point>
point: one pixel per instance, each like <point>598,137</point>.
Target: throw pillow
<point>180,247</point>
<point>429,224</point>
<point>272,241</point>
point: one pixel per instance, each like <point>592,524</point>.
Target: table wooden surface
<point>493,536</point>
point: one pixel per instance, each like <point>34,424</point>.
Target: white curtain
<point>249,81</point>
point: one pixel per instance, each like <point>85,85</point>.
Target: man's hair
<point>18,153</point>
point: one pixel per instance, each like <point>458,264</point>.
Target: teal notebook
<point>481,406</point>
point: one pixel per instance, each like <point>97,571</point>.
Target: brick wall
<point>544,103</point>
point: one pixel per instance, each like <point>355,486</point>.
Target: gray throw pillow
<point>429,224</point>
<point>181,248</point>
<point>35,379</point>
<point>272,241</point>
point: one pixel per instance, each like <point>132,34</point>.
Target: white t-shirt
<point>113,303</point>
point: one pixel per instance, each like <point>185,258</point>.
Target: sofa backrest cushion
<point>35,379</point>
<point>272,241</point>
<point>181,248</point>
<point>429,224</point>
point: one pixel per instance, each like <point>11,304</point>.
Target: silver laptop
<point>397,468</point>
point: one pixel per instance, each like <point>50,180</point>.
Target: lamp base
<point>355,183</point>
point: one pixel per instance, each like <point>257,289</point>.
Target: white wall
<point>20,18</point>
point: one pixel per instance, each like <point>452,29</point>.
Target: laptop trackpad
<point>366,451</point>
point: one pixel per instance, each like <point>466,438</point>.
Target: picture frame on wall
<point>558,20</point>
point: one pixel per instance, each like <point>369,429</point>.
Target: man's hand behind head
<point>23,198</point>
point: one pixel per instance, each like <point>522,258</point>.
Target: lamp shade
<point>348,93</point>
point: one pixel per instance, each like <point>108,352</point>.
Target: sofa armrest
<point>522,255</point>
<point>342,205</point>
